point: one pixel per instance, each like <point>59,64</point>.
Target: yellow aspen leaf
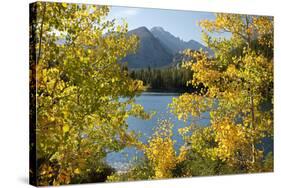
<point>65,128</point>
<point>77,171</point>
<point>64,5</point>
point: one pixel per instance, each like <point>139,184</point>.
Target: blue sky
<point>181,24</point>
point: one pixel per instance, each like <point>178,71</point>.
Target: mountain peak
<point>140,29</point>
<point>150,52</point>
<point>157,28</point>
<point>193,42</point>
<point>158,48</point>
<point>175,44</point>
<point>141,32</point>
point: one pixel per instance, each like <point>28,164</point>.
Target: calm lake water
<point>157,102</point>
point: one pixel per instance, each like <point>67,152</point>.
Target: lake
<point>157,102</point>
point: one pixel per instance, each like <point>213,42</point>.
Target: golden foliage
<point>79,80</point>
<point>238,83</point>
<point>160,150</point>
